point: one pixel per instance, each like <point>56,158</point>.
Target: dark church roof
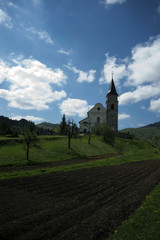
<point>112,89</point>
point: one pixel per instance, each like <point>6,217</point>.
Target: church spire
<point>112,89</point>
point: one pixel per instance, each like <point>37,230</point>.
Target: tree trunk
<point>27,154</point>
<point>69,142</point>
<point>89,139</point>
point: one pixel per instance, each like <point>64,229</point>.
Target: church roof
<point>112,89</point>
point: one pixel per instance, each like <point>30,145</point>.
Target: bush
<point>106,131</point>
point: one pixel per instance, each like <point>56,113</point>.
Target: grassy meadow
<point>51,148</point>
<point>54,148</point>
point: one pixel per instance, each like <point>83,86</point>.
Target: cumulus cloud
<point>31,84</point>
<point>123,116</point>
<point>69,52</point>
<point>141,93</point>
<point>140,72</point>
<point>72,107</point>
<point>28,117</point>
<point>5,19</point>
<point>145,63</point>
<point>43,35</point>
<point>83,76</point>
<point>111,2</point>
<point>112,66</point>
<point>155,105</point>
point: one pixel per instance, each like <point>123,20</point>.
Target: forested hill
<point>7,125</point>
<point>15,127</point>
<point>149,132</point>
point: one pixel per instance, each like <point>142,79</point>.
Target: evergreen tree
<point>63,126</point>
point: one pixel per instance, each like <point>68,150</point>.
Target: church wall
<point>96,115</point>
<point>99,114</point>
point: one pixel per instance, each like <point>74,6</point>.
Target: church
<point>101,114</point>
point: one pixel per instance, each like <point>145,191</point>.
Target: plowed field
<point>83,204</point>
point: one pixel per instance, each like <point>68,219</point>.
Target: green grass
<point>144,224</point>
<point>52,148</point>
<point>137,151</point>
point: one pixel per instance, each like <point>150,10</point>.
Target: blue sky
<point>57,56</point>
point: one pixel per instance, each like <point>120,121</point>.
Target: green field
<point>54,148</point>
<point>50,149</point>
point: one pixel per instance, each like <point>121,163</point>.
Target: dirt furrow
<point>83,204</point>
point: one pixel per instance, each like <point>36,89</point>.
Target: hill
<point>146,133</point>
<point>14,127</point>
<point>46,125</point>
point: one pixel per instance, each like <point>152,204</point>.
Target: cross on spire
<point>112,74</point>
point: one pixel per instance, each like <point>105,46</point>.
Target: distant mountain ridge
<point>147,132</point>
<point>46,125</point>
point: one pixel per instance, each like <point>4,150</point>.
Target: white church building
<point>101,114</point>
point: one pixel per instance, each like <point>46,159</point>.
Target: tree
<point>30,139</point>
<point>108,134</point>
<point>71,130</point>
<point>89,138</point>
<point>106,131</point>
<point>4,128</point>
<point>63,126</point>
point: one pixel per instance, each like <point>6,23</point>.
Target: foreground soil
<point>83,204</point>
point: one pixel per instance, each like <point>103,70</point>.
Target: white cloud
<point>36,1</point>
<point>72,107</point>
<point>141,124</point>
<point>83,76</point>
<point>143,107</point>
<point>123,116</point>
<point>155,105</point>
<point>29,118</point>
<point>111,65</point>
<point>145,63</point>
<point>69,52</point>
<point>141,93</point>
<point>141,72</point>
<point>43,35</point>
<point>111,2</point>
<point>5,19</point>
<point>31,84</point>
<point>11,4</point>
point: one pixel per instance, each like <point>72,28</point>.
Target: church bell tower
<point>112,106</point>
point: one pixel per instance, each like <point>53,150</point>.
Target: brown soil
<point>83,204</point>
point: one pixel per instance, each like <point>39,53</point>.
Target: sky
<point>57,57</point>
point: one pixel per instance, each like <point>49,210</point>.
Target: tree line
<point>14,128</point>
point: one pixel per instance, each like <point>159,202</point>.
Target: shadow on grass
<point>76,154</point>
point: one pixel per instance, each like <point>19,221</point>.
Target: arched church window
<point>112,106</point>
<point>98,119</point>
<point>98,108</point>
